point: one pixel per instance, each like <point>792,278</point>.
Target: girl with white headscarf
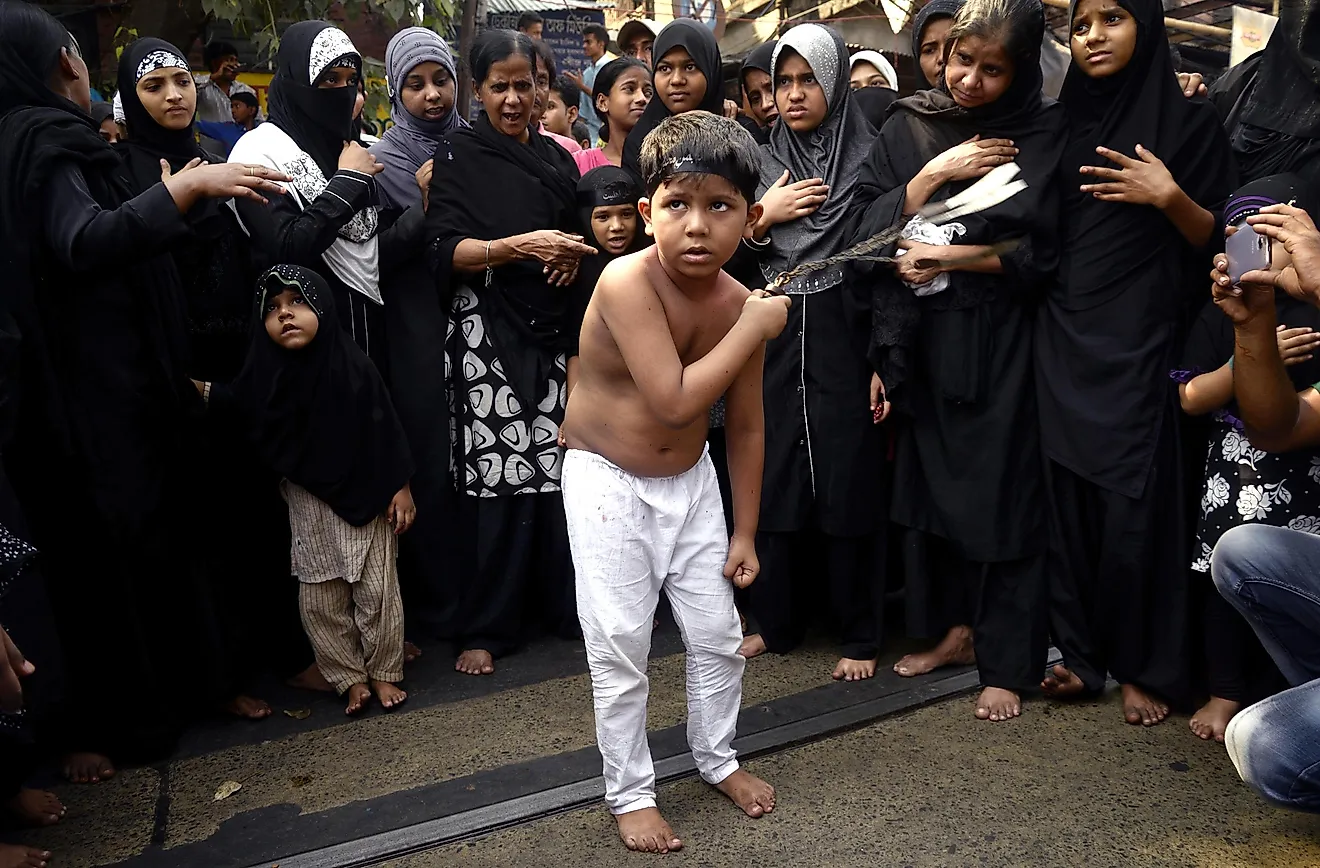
<point>882,66</point>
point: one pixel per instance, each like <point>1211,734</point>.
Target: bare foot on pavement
<point>647,832</point>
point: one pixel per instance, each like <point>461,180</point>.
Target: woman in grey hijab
<point>823,456</point>
<point>420,73</point>
<point>422,79</point>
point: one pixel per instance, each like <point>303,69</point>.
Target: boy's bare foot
<point>410,651</point>
<point>1140,707</point>
<point>475,662</point>
<point>389,695</point>
<point>36,807</point>
<point>1212,720</point>
<point>88,768</point>
<point>1062,683</point>
<point>358,697</point>
<point>647,832</point>
<point>854,670</point>
<point>747,791</point>
<point>752,646</point>
<point>955,649</point>
<point>311,679</point>
<point>247,707</point>
<point>998,704</point>
<point>14,856</point>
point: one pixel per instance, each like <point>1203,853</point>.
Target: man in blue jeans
<point>1271,574</point>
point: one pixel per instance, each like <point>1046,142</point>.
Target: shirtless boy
<point>666,334</point>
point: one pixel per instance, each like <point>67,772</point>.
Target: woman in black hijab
<point>1145,170</point>
<point>100,453</point>
<point>502,230</point>
<point>237,499</point>
<point>758,88</point>
<point>930,27</point>
<point>329,222</point>
<point>617,233</point>
<point>686,75</point>
<point>1270,102</point>
<point>951,345</point>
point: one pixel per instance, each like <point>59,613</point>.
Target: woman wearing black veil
<point>1270,102</point>
<point>238,502</point>
<point>1144,174</point>
<point>951,345</point>
<point>100,458</point>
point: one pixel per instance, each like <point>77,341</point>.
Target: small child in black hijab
<point>319,414</point>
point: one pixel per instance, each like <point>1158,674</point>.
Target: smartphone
<point>1246,251</point>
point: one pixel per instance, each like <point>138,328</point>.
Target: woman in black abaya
<point>238,502</point>
<point>823,456</point>
<point>100,456</point>
<point>422,83</point>
<point>1270,103</point>
<point>953,348</point>
<point>502,230</point>
<point>1145,171</point>
<point>329,221</point>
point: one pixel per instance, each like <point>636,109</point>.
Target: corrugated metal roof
<point>507,6</point>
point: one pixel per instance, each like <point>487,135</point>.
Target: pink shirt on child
<point>590,159</point>
<point>564,141</point>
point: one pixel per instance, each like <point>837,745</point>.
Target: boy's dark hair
<point>527,19</point>
<point>700,143</point>
<point>581,133</point>
<point>605,79</point>
<point>248,99</point>
<point>597,30</point>
<point>216,50</point>
<point>547,56</point>
<point>567,90</point>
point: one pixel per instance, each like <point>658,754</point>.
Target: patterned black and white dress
<point>1243,484</point>
<point>503,447</point>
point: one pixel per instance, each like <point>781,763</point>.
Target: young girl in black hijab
<point>319,415</point>
<point>1241,483</point>
<point>329,220</point>
<point>97,456</point>
<point>607,205</point>
<point>1145,171</point>
<point>951,344</point>
<point>686,74</point>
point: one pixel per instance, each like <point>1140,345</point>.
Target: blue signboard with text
<point>562,31</point>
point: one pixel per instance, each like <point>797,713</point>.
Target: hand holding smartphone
<point>1246,251</point>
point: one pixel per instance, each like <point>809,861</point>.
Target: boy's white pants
<point>631,536</point>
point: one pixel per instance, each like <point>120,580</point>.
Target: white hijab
<point>877,60</point>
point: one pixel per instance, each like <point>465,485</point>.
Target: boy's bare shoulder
<point>626,277</point>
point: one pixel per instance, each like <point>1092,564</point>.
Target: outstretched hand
<point>742,567</point>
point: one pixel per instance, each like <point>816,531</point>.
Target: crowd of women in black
<point>1022,466</point>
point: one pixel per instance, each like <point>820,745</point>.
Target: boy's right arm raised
<point>679,395</point>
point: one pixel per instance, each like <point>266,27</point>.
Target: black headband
<point>724,167</point>
<point>612,193</point>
